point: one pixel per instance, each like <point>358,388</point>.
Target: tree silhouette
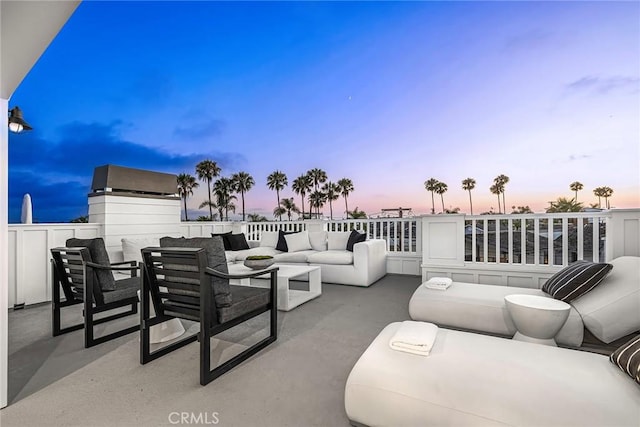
<point>277,181</point>
<point>317,200</point>
<point>287,205</point>
<point>501,181</point>
<point>242,182</point>
<point>599,192</point>
<point>441,188</point>
<point>606,193</point>
<point>186,184</point>
<point>431,185</point>
<point>468,185</point>
<point>207,170</point>
<point>564,204</point>
<point>356,214</point>
<point>496,189</point>
<point>301,186</point>
<point>318,176</point>
<point>332,192</point>
<point>223,189</point>
<point>345,186</point>
<point>575,187</point>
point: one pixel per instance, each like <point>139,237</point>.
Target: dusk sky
<point>388,94</point>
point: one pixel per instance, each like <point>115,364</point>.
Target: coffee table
<point>288,299</point>
<point>538,319</point>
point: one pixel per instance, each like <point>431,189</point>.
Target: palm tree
<point>606,193</point>
<point>441,188</point>
<point>496,189</point>
<point>289,206</point>
<point>318,176</point>
<point>279,211</point>
<point>223,189</point>
<point>207,170</point>
<point>575,187</point>
<point>254,217</point>
<point>242,182</point>
<point>564,205</point>
<point>599,192</point>
<point>501,181</point>
<point>345,186</point>
<point>186,184</point>
<point>332,192</point>
<point>356,214</point>
<point>468,185</point>
<point>277,181</point>
<point>317,200</point>
<point>431,185</point>
<point>301,186</point>
<point>211,205</point>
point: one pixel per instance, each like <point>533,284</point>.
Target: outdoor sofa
<point>344,258</point>
<point>610,310</point>
<point>471,379</point>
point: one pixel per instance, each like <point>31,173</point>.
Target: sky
<point>388,94</point>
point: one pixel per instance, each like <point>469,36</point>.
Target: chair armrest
<point>212,272</point>
<point>111,267</point>
<point>133,269</point>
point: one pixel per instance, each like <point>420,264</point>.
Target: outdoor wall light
<point>16,122</point>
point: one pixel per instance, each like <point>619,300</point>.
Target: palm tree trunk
<point>576,195</point>
<point>209,194</point>
<point>346,207</point>
<point>242,195</point>
<point>599,202</point>
<point>433,205</point>
<point>186,218</point>
<point>330,210</point>
<point>504,205</point>
<point>499,211</point>
<point>442,199</point>
<point>302,199</point>
<point>278,205</point>
<point>470,202</point>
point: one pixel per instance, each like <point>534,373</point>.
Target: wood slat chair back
<point>74,273</point>
<point>178,283</point>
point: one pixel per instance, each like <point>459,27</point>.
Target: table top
<point>537,302</point>
<point>284,270</point>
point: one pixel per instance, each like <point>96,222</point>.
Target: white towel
<point>441,283</point>
<point>414,337</point>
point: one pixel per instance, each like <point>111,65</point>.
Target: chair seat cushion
<point>338,257</point>
<point>99,255</point>
<point>126,288</point>
<point>245,299</point>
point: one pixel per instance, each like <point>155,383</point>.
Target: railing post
<point>623,233</point>
<point>442,241</point>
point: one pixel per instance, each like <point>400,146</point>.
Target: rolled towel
<point>414,337</point>
<point>441,283</point>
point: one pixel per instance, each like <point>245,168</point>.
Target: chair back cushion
<point>98,253</point>
<point>216,259</point>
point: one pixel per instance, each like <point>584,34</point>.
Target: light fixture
<point>16,122</point>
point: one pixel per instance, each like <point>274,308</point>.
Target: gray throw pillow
<point>576,280</point>
<point>627,358</point>
<point>99,255</point>
<point>216,259</point>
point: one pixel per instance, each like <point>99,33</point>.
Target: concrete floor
<point>297,381</point>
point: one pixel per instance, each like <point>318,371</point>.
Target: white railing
<point>253,229</point>
<point>535,239</point>
<point>401,234</point>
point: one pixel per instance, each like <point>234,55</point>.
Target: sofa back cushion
<point>297,242</point>
<point>612,310</point>
<point>318,240</point>
<point>131,248</point>
<point>337,240</point>
<point>99,255</point>
<point>216,259</point>
<point>268,239</point>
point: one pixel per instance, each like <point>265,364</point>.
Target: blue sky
<point>388,94</point>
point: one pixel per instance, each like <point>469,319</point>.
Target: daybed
<point>609,311</point>
<point>472,379</point>
<point>342,260</point>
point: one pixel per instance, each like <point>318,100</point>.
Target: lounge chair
<point>180,285</point>
<point>479,380</point>
<point>83,271</point>
<point>609,312</point>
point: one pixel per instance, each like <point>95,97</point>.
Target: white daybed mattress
<point>479,380</point>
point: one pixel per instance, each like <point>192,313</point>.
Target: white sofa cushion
<point>131,247</point>
<point>318,240</point>
<point>269,239</point>
<point>337,240</point>
<point>342,257</point>
<point>297,257</point>
<point>297,242</point>
<point>612,309</point>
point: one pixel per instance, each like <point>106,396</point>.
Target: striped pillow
<point>627,358</point>
<point>576,280</point>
